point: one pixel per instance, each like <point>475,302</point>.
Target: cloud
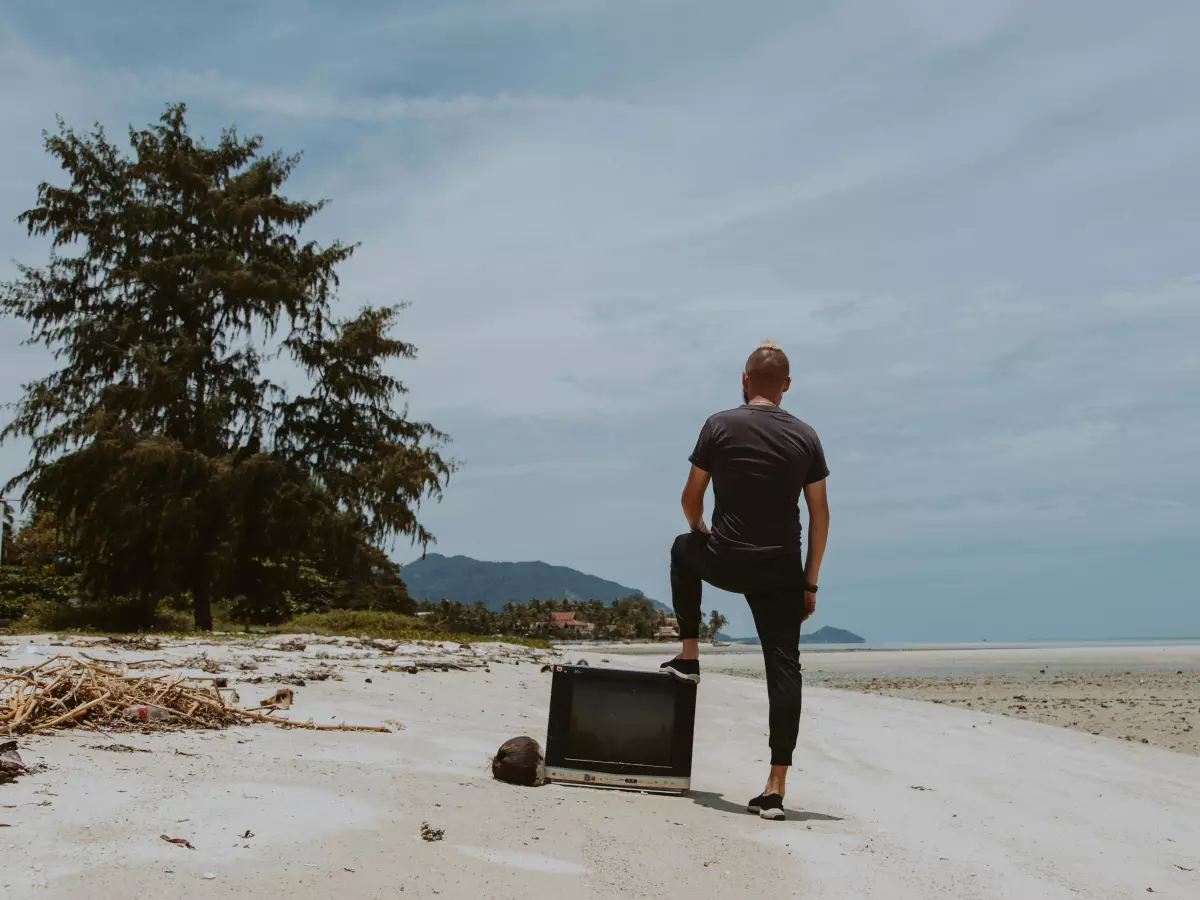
<point>972,225</point>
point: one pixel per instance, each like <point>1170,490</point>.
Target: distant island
<point>830,635</point>
<point>826,635</point>
<point>493,584</point>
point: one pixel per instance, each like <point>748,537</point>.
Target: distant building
<point>566,621</point>
<point>668,629</point>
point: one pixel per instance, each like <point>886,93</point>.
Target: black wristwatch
<point>810,588</point>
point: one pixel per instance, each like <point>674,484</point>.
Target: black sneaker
<point>683,669</point>
<point>768,806</point>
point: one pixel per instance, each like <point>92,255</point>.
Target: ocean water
<point>933,660</point>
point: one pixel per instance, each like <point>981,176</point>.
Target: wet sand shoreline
<point>1144,693</point>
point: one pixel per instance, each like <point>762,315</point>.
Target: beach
<point>890,798</point>
<point>1143,692</point>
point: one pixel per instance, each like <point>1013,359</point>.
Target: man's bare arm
<point>818,528</point>
<point>693,498</point>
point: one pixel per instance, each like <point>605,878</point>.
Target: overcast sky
<point>973,225</point>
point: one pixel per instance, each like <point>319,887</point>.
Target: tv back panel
<point>620,728</point>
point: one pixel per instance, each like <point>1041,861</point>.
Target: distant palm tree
<point>716,622</point>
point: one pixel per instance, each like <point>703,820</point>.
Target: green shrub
<point>355,622</point>
<point>13,607</point>
<point>117,615</point>
<point>21,587</point>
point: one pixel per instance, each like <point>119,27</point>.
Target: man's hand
<point>810,605</point>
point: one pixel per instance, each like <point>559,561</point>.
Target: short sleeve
<point>818,469</point>
<point>702,456</point>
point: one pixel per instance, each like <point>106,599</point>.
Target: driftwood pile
<point>64,692</point>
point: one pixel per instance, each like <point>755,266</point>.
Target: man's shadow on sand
<point>717,801</point>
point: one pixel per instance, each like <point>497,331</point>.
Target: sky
<point>973,226</point>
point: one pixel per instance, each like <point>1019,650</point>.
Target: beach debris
<point>292,646</point>
<point>247,834</point>
<point>582,662</point>
<point>142,712</point>
<point>919,787</point>
<point>209,876</point>
<point>546,668</point>
<point>282,699</point>
<point>64,692</point>
<point>1182,868</point>
<point>203,663</point>
<point>136,642</point>
<point>11,765</point>
<point>520,761</point>
<point>429,833</point>
<point>118,748</point>
<point>178,842</point>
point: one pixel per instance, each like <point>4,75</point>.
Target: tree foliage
<point>716,622</point>
<point>7,521</point>
<point>174,465</point>
<point>633,617</point>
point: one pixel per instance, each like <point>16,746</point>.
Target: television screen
<point>621,729</point>
<point>622,723</point>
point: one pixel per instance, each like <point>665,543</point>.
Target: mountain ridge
<point>436,577</point>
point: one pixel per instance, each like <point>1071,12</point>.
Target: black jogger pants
<point>774,589</point>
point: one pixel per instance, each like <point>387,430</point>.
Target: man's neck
<point>761,401</point>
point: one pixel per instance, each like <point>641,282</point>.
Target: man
<point>760,459</point>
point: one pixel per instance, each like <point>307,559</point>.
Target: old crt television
<point>620,729</point>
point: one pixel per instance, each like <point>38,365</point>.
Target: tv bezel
<point>675,778</point>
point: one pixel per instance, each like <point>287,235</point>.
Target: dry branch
<point>65,692</point>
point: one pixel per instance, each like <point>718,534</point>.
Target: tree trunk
<point>202,607</point>
<point>202,594</point>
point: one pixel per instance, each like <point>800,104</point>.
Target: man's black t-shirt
<point>760,458</point>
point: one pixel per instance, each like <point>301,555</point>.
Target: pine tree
<point>182,468</point>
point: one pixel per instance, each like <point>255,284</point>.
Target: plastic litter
<point>144,713</point>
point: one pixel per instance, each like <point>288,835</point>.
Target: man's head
<point>767,374</point>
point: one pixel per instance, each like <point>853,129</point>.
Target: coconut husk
<point>520,761</point>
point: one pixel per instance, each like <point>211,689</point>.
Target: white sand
<point>1013,809</point>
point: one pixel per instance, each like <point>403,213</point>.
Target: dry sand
<point>891,798</point>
